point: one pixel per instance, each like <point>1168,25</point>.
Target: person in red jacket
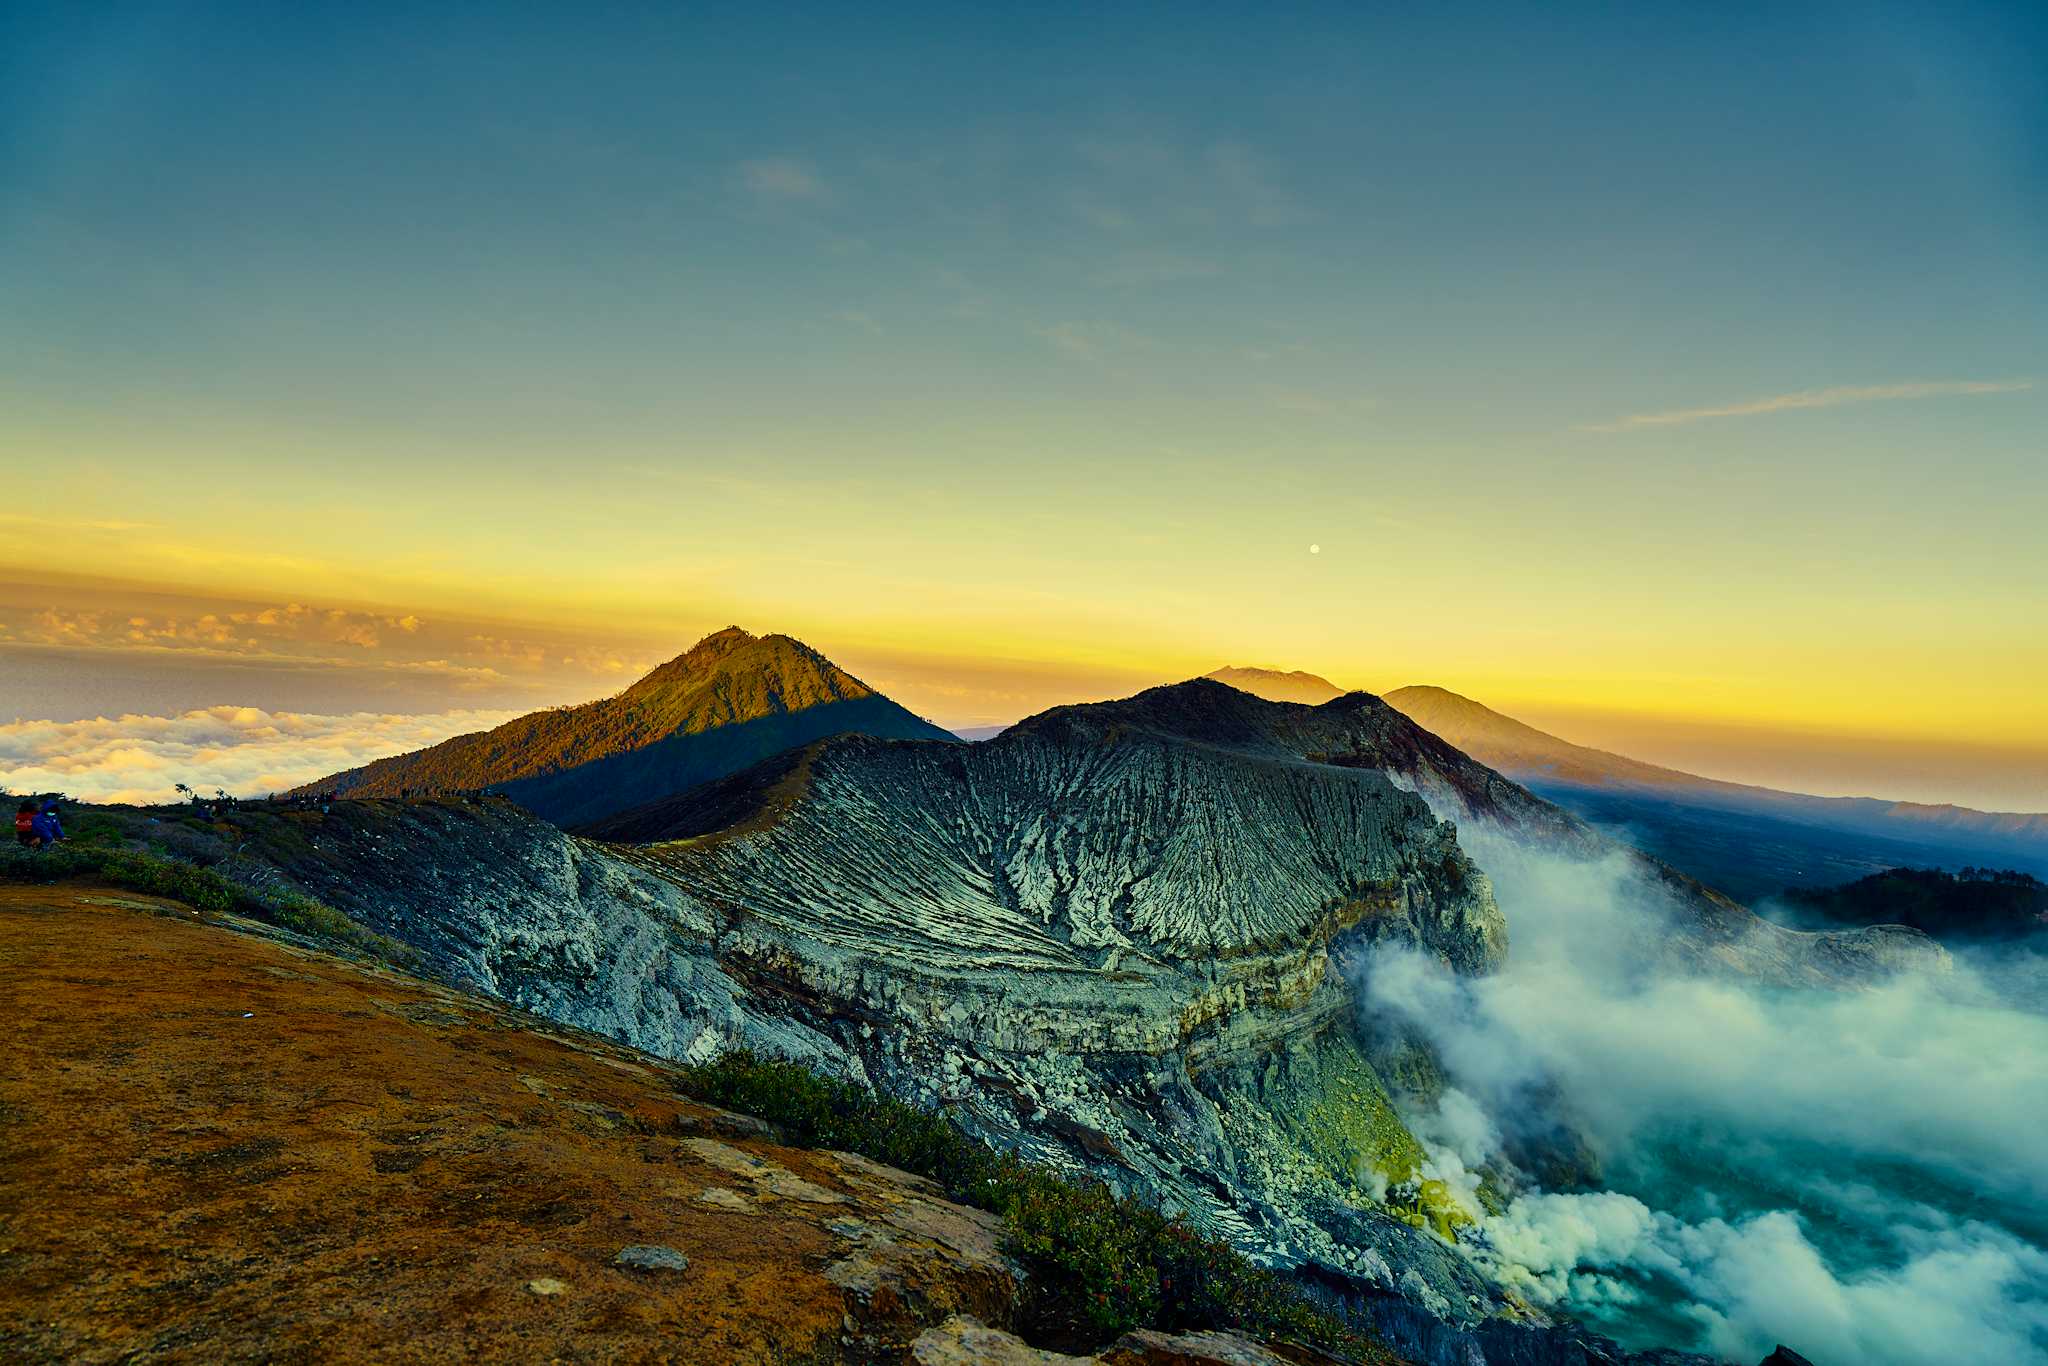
<point>25,826</point>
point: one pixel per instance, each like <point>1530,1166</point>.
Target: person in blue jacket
<point>47,826</point>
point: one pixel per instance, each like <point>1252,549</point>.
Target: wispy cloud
<point>1093,341</point>
<point>1812,398</point>
<point>1154,182</point>
<point>1153,266</point>
<point>854,317</point>
<point>1098,211</point>
<point>969,298</point>
<point>1244,178</point>
<point>784,178</point>
<point>1284,351</point>
<point>251,630</point>
<point>1312,402</point>
<point>136,621</point>
<point>72,524</point>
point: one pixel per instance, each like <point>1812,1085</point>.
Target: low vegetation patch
<point>1100,1263</point>
<point>201,888</point>
<point>138,872</point>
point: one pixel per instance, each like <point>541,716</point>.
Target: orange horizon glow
<point>484,654</point>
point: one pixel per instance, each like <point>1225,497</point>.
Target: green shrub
<point>296,911</point>
<point>1100,1263</point>
<point>1091,1250</point>
<point>201,888</point>
<point>823,1112</point>
<point>139,872</point>
<point>95,829</point>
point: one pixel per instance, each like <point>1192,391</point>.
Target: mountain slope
<point>370,1167</point>
<point>732,699</point>
<point>1516,748</point>
<point>1104,949</point>
<point>1750,840</point>
<point>1277,686</point>
<point>1122,939</point>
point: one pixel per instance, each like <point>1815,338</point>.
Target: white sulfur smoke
<point>1862,1175</point>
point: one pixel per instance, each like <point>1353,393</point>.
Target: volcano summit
<point>731,699</point>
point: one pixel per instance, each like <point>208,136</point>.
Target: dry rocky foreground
<point>219,1143</point>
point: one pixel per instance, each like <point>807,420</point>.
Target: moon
<point>1315,550</point>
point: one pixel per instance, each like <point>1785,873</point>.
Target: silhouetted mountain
<point>1276,686</point>
<point>1750,841</point>
<point>1515,748</point>
<point>731,700</point>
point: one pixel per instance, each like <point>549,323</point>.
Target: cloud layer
<point>75,650</point>
<point>248,630</point>
<point>243,750</point>
<point>1962,1290</point>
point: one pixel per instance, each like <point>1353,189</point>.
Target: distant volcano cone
<point>1277,686</point>
<point>731,700</point>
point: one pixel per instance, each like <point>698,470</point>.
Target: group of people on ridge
<point>36,829</point>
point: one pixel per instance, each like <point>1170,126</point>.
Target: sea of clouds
<point>1862,1175</point>
<point>244,751</point>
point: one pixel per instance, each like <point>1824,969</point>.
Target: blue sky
<point>1518,218</point>
<point>1067,330</point>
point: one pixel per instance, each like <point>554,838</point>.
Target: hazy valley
<point>1751,842</point>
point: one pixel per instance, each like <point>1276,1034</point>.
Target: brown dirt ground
<point>219,1146</point>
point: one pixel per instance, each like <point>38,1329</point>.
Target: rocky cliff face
<point>1104,939</point>
<point>1102,946</point>
<point>1685,925</point>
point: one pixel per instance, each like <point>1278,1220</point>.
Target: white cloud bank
<point>1959,1291</point>
<point>244,750</point>
<point>1858,1174</point>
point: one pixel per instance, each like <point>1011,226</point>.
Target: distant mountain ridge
<point>1276,685</point>
<point>729,701</point>
<point>1669,804</point>
<point>1510,745</point>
